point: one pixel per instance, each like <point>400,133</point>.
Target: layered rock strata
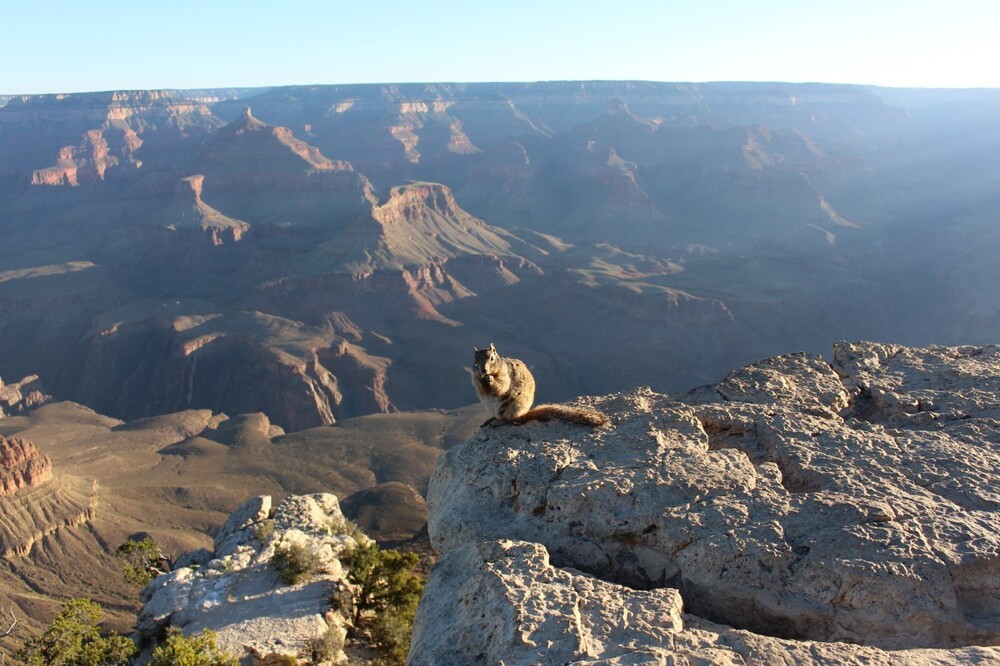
<point>21,465</point>
<point>36,502</point>
<point>807,506</point>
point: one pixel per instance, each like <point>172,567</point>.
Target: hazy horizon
<point>71,48</point>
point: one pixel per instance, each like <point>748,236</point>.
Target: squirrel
<point>507,388</point>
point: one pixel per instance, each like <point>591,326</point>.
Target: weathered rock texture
<point>236,590</point>
<point>21,465</point>
<point>35,502</point>
<point>809,506</point>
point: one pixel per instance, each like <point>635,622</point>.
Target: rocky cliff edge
<point>797,511</point>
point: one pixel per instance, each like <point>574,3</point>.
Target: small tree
<point>143,560</point>
<point>385,583</point>
<point>383,579</point>
<point>197,650</point>
<point>74,639</point>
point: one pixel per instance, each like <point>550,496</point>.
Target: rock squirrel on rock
<point>507,388</point>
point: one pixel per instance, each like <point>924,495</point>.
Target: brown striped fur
<point>507,388</point>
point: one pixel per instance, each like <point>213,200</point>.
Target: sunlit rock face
<point>844,503</point>
<point>21,465</point>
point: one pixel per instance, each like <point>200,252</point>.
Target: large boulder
<point>794,500</point>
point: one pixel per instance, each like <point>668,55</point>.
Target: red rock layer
<point>21,465</point>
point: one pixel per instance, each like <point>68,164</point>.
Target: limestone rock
<point>853,503</point>
<point>236,530</point>
<point>501,601</point>
<point>236,591</point>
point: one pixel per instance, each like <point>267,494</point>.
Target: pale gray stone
<point>847,503</point>
<point>502,602</point>
<point>238,528</point>
<point>238,594</point>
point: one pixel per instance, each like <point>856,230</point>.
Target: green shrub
<point>142,559</point>
<point>295,562</point>
<point>197,650</point>
<point>383,579</point>
<point>390,632</point>
<point>74,639</point>
<point>263,531</point>
<point>386,585</point>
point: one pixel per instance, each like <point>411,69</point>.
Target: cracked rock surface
<point>236,592</point>
<point>800,509</point>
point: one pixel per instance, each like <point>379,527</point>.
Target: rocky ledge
<point>797,511</point>
<point>19,397</point>
<point>236,589</point>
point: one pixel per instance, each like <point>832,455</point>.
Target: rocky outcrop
<point>19,397</point>
<point>90,160</point>
<point>235,590</point>
<point>281,148</point>
<point>806,505</point>
<point>37,502</point>
<point>422,223</point>
<point>504,602</point>
<point>21,465</point>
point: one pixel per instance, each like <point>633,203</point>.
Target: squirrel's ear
<point>492,348</point>
<point>475,349</point>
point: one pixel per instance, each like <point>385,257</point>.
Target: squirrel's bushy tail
<point>587,417</point>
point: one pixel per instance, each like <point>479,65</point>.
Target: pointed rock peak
<point>245,123</point>
<point>259,133</point>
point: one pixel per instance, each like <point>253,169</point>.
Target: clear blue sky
<point>76,45</point>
